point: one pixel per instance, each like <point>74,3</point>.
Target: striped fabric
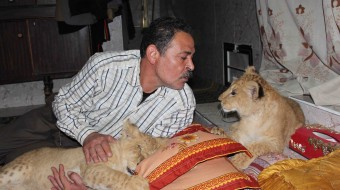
<point>107,91</point>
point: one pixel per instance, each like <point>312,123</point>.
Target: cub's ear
<point>250,69</point>
<point>253,90</point>
<point>129,130</point>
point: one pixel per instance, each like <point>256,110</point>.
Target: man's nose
<point>190,65</point>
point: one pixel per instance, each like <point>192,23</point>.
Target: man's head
<point>168,46</point>
<point>160,33</point>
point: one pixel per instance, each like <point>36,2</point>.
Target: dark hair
<point>160,33</point>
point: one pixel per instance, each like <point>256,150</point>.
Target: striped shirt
<point>107,91</point>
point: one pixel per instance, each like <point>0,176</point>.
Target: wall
<point>136,11</point>
<point>215,22</point>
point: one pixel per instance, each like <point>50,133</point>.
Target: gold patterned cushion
<point>184,152</point>
<point>317,173</point>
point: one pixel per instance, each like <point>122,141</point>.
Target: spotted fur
<point>30,170</point>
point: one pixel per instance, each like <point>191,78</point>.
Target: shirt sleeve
<point>73,99</point>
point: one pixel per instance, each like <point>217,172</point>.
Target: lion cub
<point>30,170</point>
<point>267,119</point>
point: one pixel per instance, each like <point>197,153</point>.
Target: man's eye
<point>183,58</point>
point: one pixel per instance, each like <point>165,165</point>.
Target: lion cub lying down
<point>267,119</point>
<point>30,170</point>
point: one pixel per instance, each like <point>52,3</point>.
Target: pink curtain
<point>301,43</point>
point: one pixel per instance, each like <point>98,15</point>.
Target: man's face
<point>173,67</point>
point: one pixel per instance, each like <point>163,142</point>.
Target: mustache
<point>188,74</point>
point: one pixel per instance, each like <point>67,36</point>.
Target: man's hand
<point>61,182</point>
<point>96,147</point>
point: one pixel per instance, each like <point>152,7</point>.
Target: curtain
<point>301,44</point>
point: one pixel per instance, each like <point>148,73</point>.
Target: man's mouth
<point>187,75</point>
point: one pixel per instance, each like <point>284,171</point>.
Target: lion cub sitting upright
<point>30,170</point>
<point>267,119</point>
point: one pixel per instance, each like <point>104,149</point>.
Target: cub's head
<point>147,143</point>
<point>244,94</point>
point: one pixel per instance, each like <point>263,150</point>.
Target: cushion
<point>218,173</point>
<point>261,162</point>
<point>317,173</point>
<point>191,129</point>
<point>182,153</point>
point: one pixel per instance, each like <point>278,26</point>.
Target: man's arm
<point>71,106</point>
<point>73,102</point>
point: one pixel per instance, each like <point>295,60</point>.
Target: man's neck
<point>148,78</point>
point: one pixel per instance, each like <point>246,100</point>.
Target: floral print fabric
<point>301,43</point>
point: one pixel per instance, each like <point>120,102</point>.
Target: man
<point>151,91</point>
<point>148,87</point>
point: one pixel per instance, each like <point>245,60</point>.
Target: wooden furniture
<point>31,46</point>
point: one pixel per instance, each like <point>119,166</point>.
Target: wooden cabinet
<point>53,53</point>
<point>31,46</point>
<point>15,58</point>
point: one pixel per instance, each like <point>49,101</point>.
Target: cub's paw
<point>218,131</point>
<point>241,160</point>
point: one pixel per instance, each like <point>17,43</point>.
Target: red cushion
<point>218,173</point>
<point>182,153</point>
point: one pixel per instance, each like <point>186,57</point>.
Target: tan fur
<point>30,170</point>
<point>267,119</point>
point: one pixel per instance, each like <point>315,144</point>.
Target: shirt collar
<point>133,74</point>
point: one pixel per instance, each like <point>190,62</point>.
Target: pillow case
<point>317,173</point>
<point>191,129</point>
<point>182,153</point>
<point>261,162</point>
<point>217,174</point>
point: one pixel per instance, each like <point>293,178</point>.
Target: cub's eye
<point>233,92</point>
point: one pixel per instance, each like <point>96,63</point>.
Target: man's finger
<point>87,155</point>
<point>94,155</point>
<point>75,178</point>
<point>65,182</point>
<point>54,183</point>
<point>58,184</point>
<point>101,153</point>
<point>107,148</point>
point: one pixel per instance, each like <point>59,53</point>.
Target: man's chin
<point>179,86</point>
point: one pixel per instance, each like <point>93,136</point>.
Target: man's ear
<point>152,53</point>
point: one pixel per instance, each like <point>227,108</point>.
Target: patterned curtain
<point>301,43</point>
